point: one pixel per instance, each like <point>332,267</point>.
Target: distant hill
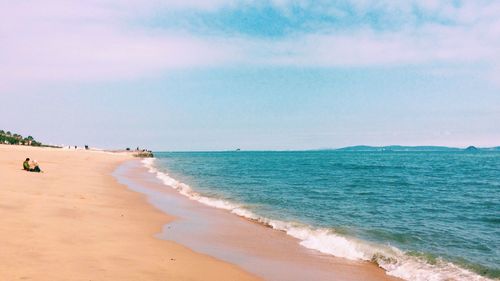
<point>471,149</point>
<point>397,148</point>
<point>496,148</point>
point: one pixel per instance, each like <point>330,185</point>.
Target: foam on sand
<point>393,260</point>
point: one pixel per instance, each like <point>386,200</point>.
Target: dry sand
<point>75,222</point>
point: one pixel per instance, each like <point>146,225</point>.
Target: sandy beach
<point>101,216</point>
<point>75,222</point>
<point>256,248</point>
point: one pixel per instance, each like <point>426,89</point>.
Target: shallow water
<point>419,215</point>
<point>267,253</point>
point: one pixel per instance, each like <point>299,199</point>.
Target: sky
<point>250,74</point>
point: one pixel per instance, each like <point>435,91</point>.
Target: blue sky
<point>221,74</point>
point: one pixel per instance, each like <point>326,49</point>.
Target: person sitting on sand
<point>35,168</point>
<point>26,164</point>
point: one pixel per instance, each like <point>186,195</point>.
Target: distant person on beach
<point>27,166</point>
<point>35,168</point>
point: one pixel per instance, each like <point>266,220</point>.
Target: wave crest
<point>393,260</point>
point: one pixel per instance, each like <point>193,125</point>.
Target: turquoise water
<point>419,215</point>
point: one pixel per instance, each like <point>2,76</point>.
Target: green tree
<point>35,143</point>
<point>8,133</point>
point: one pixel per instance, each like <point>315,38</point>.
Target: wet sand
<point>263,251</point>
<point>75,222</point>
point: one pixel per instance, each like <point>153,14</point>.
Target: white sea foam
<point>394,261</point>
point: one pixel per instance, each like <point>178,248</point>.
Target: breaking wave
<point>393,260</point>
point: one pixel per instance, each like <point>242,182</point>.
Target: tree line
<point>10,138</point>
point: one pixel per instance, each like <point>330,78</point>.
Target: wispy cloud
<point>75,40</point>
<point>81,41</point>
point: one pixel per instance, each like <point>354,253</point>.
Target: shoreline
<point>189,176</point>
<point>75,222</point>
<point>259,249</point>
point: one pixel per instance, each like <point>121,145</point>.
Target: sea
<point>428,215</point>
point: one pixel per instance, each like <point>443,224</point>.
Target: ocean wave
<point>393,260</point>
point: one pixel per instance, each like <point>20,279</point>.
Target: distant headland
<point>401,148</point>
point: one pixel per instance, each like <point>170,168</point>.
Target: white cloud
<point>71,41</point>
<point>428,45</point>
<point>92,40</point>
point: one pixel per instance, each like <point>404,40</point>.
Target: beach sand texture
<point>75,222</point>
